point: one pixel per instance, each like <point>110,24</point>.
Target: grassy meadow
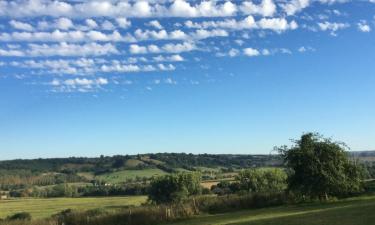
<point>355,211</point>
<point>43,208</point>
<point>121,176</point>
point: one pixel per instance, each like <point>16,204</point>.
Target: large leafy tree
<point>321,168</point>
<point>174,187</point>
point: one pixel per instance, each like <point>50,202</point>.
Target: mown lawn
<point>42,208</point>
<point>356,211</point>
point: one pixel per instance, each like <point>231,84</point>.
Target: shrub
<point>20,216</point>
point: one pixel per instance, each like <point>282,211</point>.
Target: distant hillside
<point>365,156</point>
<point>24,175</point>
<point>164,161</point>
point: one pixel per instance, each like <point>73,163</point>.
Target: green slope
<point>358,211</point>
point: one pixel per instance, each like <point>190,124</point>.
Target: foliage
<point>20,216</point>
<point>174,187</point>
<point>262,180</point>
<point>188,161</point>
<point>225,188</point>
<point>321,168</point>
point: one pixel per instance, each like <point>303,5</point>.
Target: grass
<point>121,176</point>
<point>87,175</point>
<point>43,208</point>
<point>209,184</point>
<point>208,169</point>
<point>132,163</point>
<point>356,211</point>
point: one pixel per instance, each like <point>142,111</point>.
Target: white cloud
<point>333,1</point>
<point>78,84</point>
<point>64,24</point>
<point>120,67</point>
<point>168,67</point>
<point>172,58</point>
<point>136,49</point>
<point>170,81</point>
<point>11,52</point>
<point>182,8</point>
<point>81,66</point>
<point>306,49</point>
<point>294,6</point>
<point>123,22</point>
<point>247,23</point>
<point>63,49</point>
<point>332,27</point>
<point>117,67</point>
<point>151,34</point>
<point>363,26</point>
<point>203,34</point>
<point>114,9</point>
<point>266,8</point>
<point>275,24</point>
<point>251,52</point>
<point>266,52</point>
<point>107,25</point>
<point>21,25</point>
<point>179,47</point>
<point>166,48</point>
<point>91,23</point>
<point>233,52</point>
<point>66,36</point>
<point>155,24</point>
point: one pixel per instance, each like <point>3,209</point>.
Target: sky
<point>86,78</point>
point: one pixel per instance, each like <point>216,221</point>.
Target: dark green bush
<point>20,216</point>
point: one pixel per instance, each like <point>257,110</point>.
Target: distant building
<point>3,195</point>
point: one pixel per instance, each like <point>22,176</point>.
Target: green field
<point>356,211</point>
<point>42,208</point>
<point>121,176</point>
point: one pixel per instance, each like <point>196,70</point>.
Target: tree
<point>174,187</point>
<point>262,180</point>
<point>320,168</point>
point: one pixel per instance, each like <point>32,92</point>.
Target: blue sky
<point>126,77</point>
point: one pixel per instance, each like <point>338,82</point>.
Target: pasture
<point>358,211</point>
<point>123,175</point>
<point>43,208</point>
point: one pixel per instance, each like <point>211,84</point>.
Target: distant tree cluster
<point>189,161</point>
<point>254,181</point>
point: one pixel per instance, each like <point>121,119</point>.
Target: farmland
<point>43,208</point>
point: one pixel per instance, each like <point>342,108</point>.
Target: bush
<point>20,216</point>
<point>229,203</point>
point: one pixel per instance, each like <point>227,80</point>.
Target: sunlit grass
<point>42,208</point>
<point>355,211</point>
